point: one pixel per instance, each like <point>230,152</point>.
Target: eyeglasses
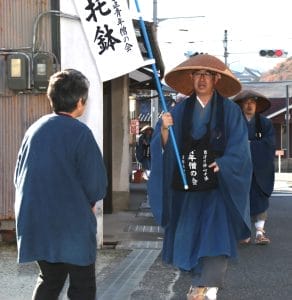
<point>203,74</point>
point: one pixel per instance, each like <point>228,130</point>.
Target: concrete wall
<point>120,144</point>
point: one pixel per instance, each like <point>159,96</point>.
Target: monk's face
<point>249,107</point>
<point>204,82</point>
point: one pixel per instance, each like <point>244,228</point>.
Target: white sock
<point>212,293</point>
<point>259,224</point>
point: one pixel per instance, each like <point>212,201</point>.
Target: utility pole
<point>225,47</point>
<point>287,125</point>
<point>155,19</point>
<point>154,96</point>
<point>154,100</point>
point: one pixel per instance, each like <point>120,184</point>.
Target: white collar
<point>200,101</point>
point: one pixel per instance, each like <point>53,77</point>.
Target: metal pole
<point>163,103</point>
<point>154,100</point>
<point>287,125</point>
<point>154,108</point>
<point>225,47</point>
<point>155,20</point>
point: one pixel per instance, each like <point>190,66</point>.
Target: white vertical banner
<point>111,36</point>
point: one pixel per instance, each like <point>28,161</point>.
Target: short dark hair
<point>66,88</point>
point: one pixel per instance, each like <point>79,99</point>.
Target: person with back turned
<point>202,224</point>
<point>59,177</point>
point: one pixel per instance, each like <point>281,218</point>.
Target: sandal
<point>196,293</point>
<point>201,293</point>
<point>261,239</point>
<point>245,242</point>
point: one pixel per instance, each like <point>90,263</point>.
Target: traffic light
<point>278,53</point>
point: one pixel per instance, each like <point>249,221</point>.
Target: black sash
<point>146,150</point>
<point>258,126</point>
<point>198,154</point>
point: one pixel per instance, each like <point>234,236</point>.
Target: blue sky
<point>251,26</point>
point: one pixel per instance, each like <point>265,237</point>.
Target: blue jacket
<point>59,176</point>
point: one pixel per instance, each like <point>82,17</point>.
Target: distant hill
<point>282,71</point>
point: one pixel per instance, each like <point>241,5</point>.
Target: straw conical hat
<point>144,128</point>
<point>179,78</point>
<point>262,102</point>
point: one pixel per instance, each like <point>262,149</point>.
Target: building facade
<point>38,38</point>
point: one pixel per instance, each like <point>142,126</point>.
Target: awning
<point>143,78</point>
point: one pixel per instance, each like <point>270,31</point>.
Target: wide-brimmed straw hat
<point>144,128</point>
<point>262,102</point>
<point>179,78</point>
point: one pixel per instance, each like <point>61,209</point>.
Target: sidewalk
<point>134,231</point>
<point>283,180</point>
<point>128,229</point>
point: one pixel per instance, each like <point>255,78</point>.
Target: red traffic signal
<point>273,53</point>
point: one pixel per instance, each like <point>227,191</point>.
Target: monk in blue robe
<point>143,154</point>
<point>262,145</point>
<point>59,177</point>
<point>204,224</point>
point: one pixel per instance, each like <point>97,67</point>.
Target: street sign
<point>279,152</point>
<point>134,126</point>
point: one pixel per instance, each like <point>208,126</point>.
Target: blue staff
<point>160,93</point>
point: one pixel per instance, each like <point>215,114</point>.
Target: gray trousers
<point>213,270</point>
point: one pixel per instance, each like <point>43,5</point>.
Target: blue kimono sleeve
<point>163,162</point>
<point>236,167</point>
<point>155,183</point>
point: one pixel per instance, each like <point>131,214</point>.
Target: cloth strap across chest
<point>198,154</point>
